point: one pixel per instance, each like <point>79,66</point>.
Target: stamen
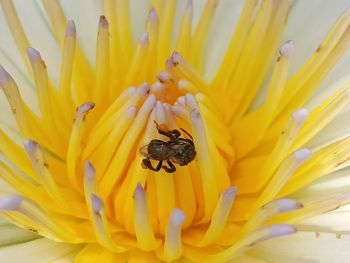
<point>42,85</point>
<point>36,156</point>
<point>237,43</point>
<point>113,139</point>
<point>205,147</point>
<point>265,213</point>
<point>143,226</point>
<point>201,33</point>
<point>75,145</point>
<point>124,207</point>
<point>183,45</point>
<point>38,217</point>
<point>17,30</point>
<point>267,29</point>
<point>136,70</point>
<point>165,31</point>
<point>107,122</point>
<point>102,61</point>
<point>90,185</point>
<point>117,56</point>
<point>15,153</point>
<point>100,223</point>
<point>282,175</point>
<point>157,87</point>
<point>115,170</point>
<point>206,167</point>
<point>219,217</point>
<point>172,239</point>
<point>181,69</point>
<point>219,132</point>
<point>83,75</point>
<point>67,66</point>
<point>23,186</point>
<point>97,203</point>
<point>152,29</point>
<point>266,114</point>
<point>127,98</point>
<point>24,117</point>
<point>283,145</point>
<point>123,24</point>
<point>186,87</point>
<point>165,188</point>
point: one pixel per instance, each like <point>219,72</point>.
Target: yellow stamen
<point>183,45</point>
<point>172,241</point>
<point>201,33</point>
<point>16,29</point>
<point>67,67</point>
<point>41,167</point>
<point>102,61</point>
<point>75,143</point>
<point>114,171</point>
<point>143,227</point>
<point>136,70</point>
<point>220,215</point>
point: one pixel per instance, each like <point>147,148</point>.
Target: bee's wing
<point>144,150</point>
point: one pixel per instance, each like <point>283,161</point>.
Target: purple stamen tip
<point>285,205</point>
<point>89,170</point>
<point>11,202</point>
<point>103,22</point>
<point>97,203</point>
<point>152,15</point>
<point>33,54</point>
<point>86,107</point>
<point>4,76</point>
<point>71,29</point>
<point>139,191</point>
<point>280,230</point>
<point>30,146</point>
<point>177,217</point>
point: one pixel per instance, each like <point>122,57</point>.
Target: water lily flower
<point>174,131</point>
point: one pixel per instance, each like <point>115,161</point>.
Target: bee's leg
<point>146,163</point>
<point>164,130</point>
<point>169,169</point>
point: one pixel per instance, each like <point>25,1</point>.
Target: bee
<point>175,150</point>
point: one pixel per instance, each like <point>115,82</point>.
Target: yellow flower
<point>243,140</point>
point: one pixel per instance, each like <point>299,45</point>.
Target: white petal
<point>10,234</point>
<point>305,247</point>
<point>335,183</point>
<point>37,251</point>
<point>336,222</point>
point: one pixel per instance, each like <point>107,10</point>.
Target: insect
<point>175,150</point>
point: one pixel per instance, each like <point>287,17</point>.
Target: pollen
<point>75,166</point>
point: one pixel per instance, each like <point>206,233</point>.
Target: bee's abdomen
<point>159,150</point>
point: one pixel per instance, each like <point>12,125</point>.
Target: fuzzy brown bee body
<point>176,149</point>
